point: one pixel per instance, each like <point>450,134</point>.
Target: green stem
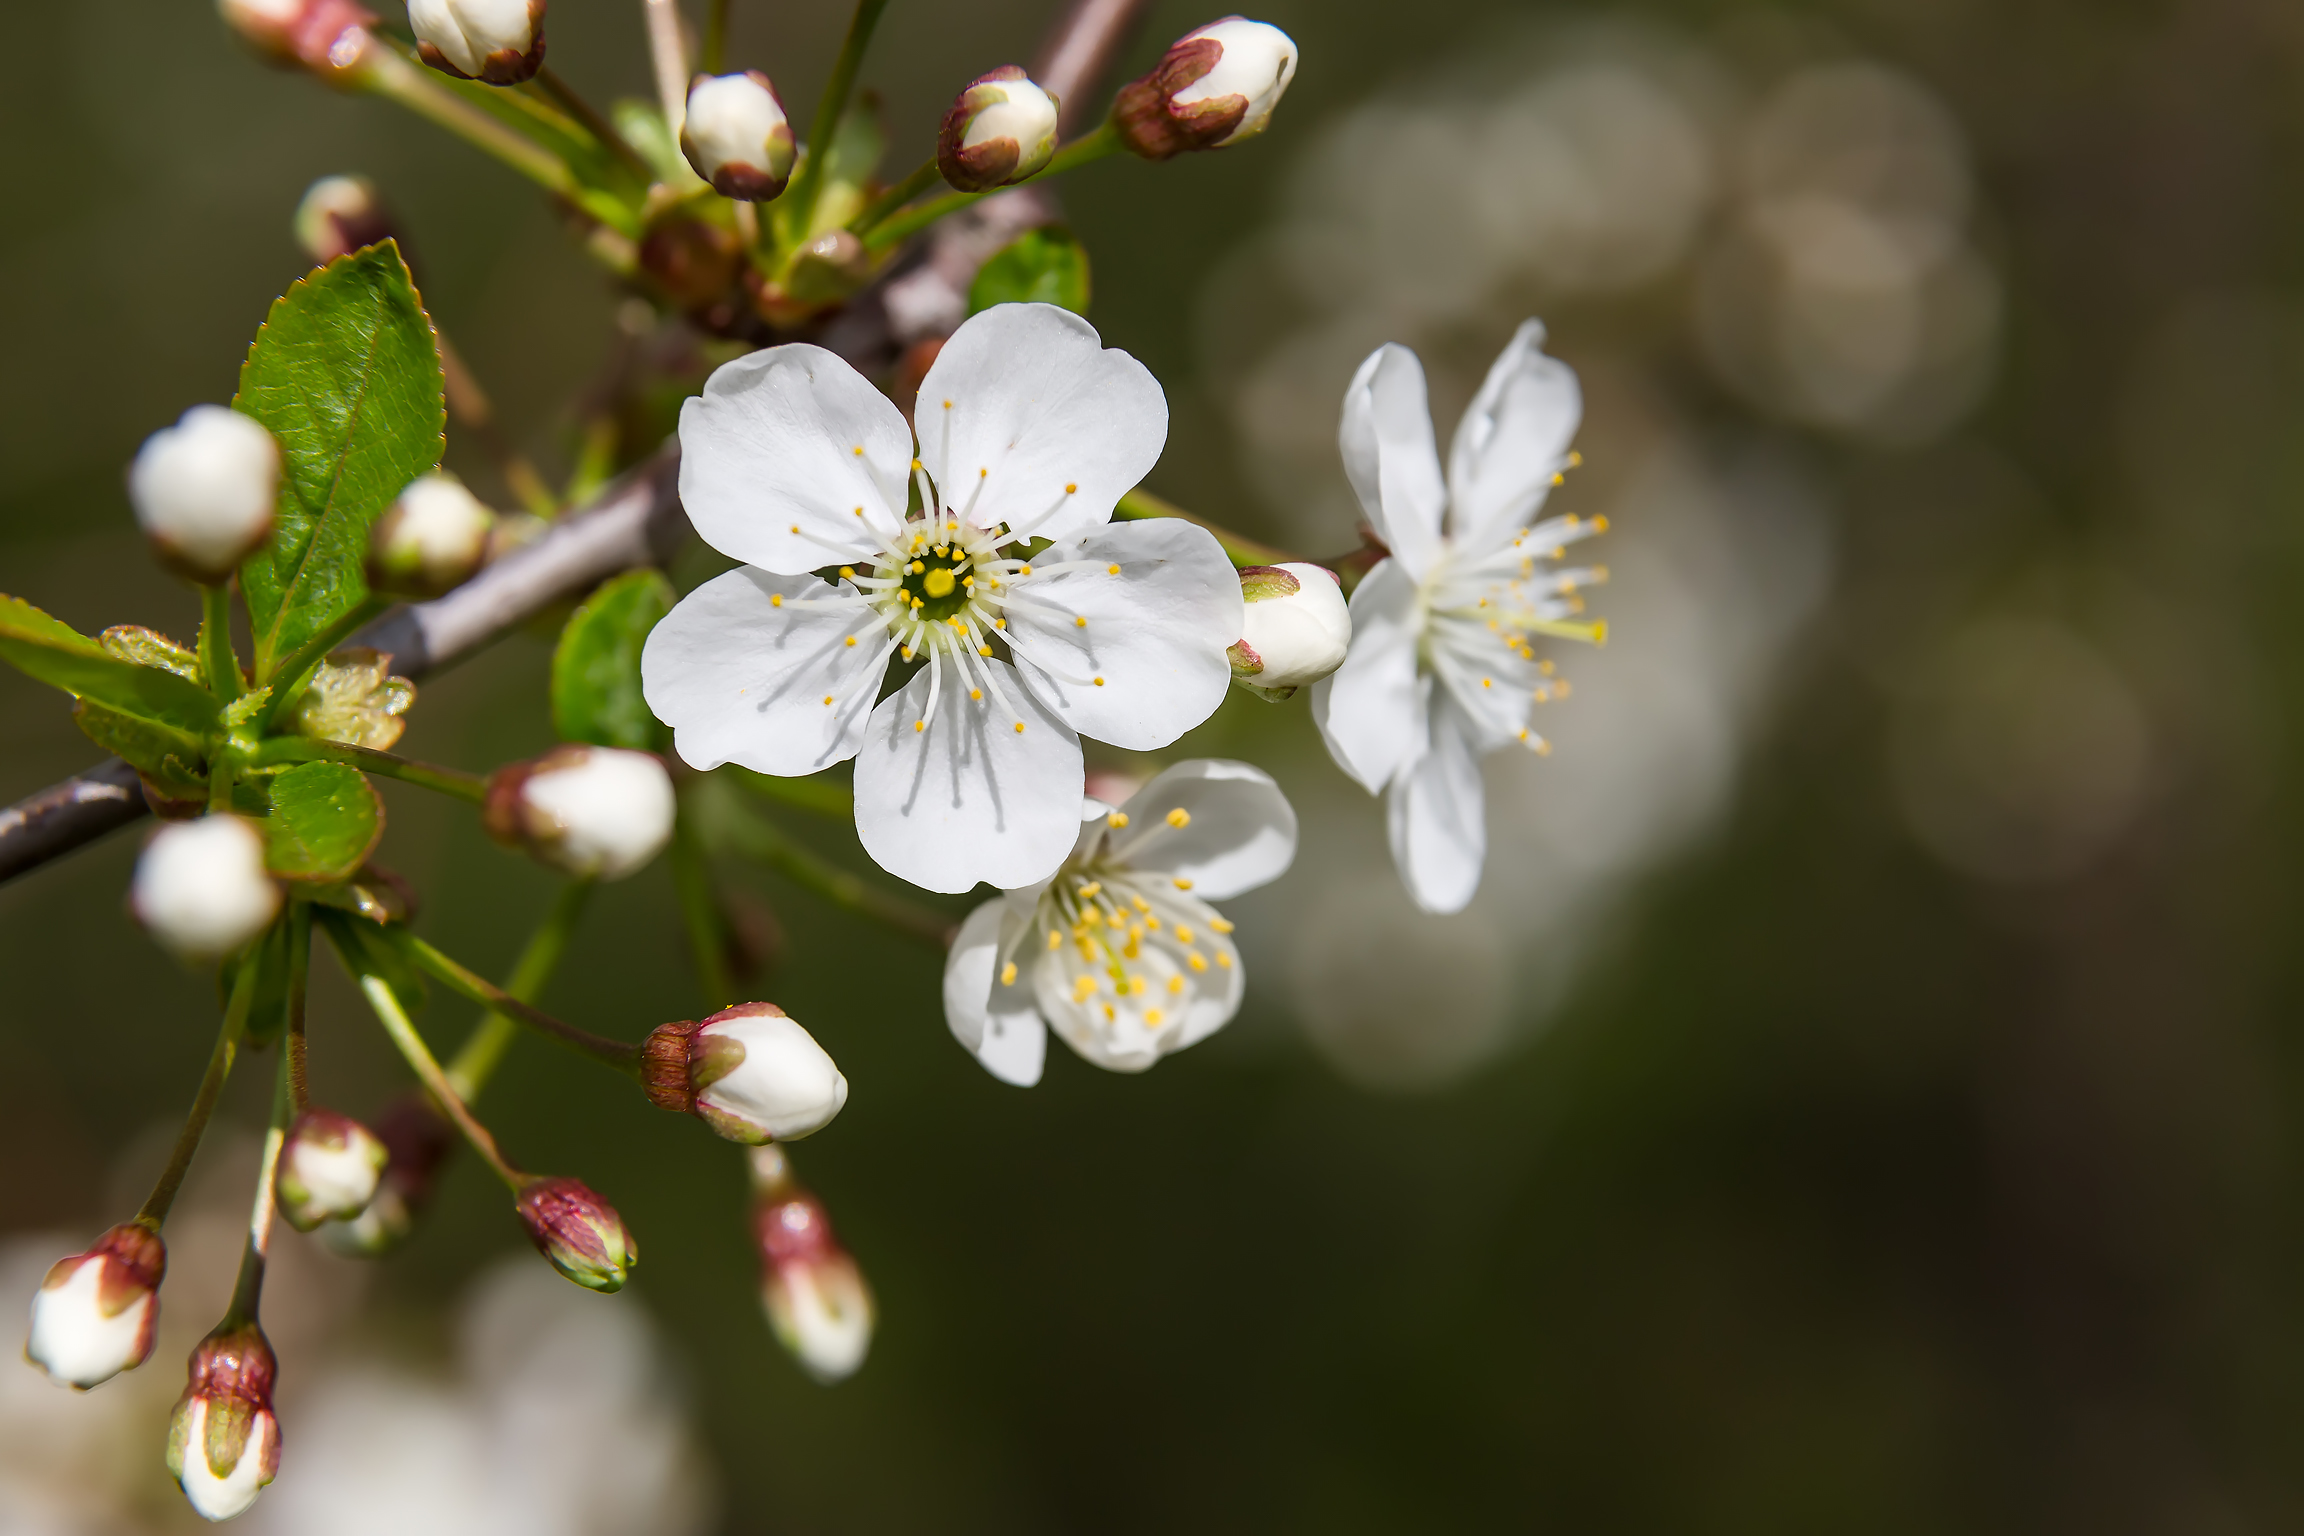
<point>829,106</point>
<point>435,1081</point>
<point>248,1290</point>
<point>1139,505</point>
<point>768,844</point>
<point>894,198</point>
<point>1081,151</point>
<point>692,878</point>
<point>220,784</point>
<point>299,983</point>
<point>216,656</point>
<point>476,1061</point>
<point>447,781</point>
<point>715,51</point>
<point>612,1053</point>
<point>566,97</point>
<point>291,675</point>
<point>220,1058</point>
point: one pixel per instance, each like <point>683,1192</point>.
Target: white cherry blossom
<point>1441,667</point>
<point>1120,952</point>
<point>1029,429</point>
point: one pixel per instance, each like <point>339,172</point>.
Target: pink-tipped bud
<point>204,489</point>
<point>597,811</point>
<point>326,37</point>
<point>430,540</point>
<point>737,137</point>
<point>223,1440</point>
<point>201,888</point>
<point>815,1296</point>
<point>579,1232</point>
<point>330,1167</point>
<point>1295,628</point>
<point>416,1142</point>
<point>96,1313</point>
<point>999,130</point>
<point>340,215</point>
<point>750,1072</point>
<point>1214,87</point>
<point>499,41</point>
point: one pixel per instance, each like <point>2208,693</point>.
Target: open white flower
<point>1441,668</point>
<point>1120,951</point>
<point>1028,429</point>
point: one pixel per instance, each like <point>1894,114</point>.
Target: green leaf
<point>147,745</point>
<point>325,822</point>
<point>57,654</point>
<point>596,669</point>
<point>368,949</point>
<point>268,1013</point>
<point>1040,266</point>
<point>150,648</point>
<point>346,374</point>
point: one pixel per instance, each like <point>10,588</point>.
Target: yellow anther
<point>1139,903</point>
<point>1546,667</point>
<point>977,694</point>
<point>1600,523</point>
<point>1183,934</point>
<point>1019,727</point>
<point>1574,458</point>
<point>981,473</point>
<point>795,527</point>
<point>1112,570</point>
<point>983,650</point>
<point>1071,489</point>
<point>1008,974</point>
<point>919,725</point>
<point>775,599</point>
<point>1152,1016</point>
<point>1487,682</point>
<point>942,552</point>
<point>1175,985</point>
<point>1179,817</point>
<point>1081,622</point>
<point>851,640</point>
<point>947,405</point>
<point>1224,960</point>
<point>859,511</point>
<point>1055,939</point>
<point>1183,885</point>
<point>859,450</point>
<point>1196,960</point>
<point>1083,987</point>
<point>1092,890</point>
<point>1152,923</point>
<point>1559,479</point>
<point>827,698</point>
<point>968,581</point>
<point>916,567</point>
<point>847,573</point>
<point>905,652</point>
<point>1543,748</point>
<point>1027,569</point>
<point>999,623</point>
<point>954,621</point>
<point>1139,985</point>
<point>1099,682</point>
<point>1220,925</point>
<point>1118,818</point>
<point>1109,1015</point>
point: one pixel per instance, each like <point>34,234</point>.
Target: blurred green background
<point>1890,1125</point>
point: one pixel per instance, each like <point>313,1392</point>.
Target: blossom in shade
<point>96,1313</point>
<point>223,1439</point>
<point>999,130</point>
<point>1295,631</point>
<point>1028,429</point>
<point>815,1296</point>
<point>1213,88</point>
<point>601,812</point>
<point>432,537</point>
<point>736,136</point>
<point>1443,666</point>
<point>1120,952</point>
<point>326,37</point>
<point>201,889</point>
<point>338,215</point>
<point>578,1231</point>
<point>499,41</point>
<point>330,1165</point>
<point>204,490</point>
<point>750,1072</point>
<point>417,1140</point>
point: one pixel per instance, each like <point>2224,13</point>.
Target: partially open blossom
<point>416,1141</point>
<point>96,1313</point>
<point>999,130</point>
<point>432,538</point>
<point>1295,631</point>
<point>596,811</point>
<point>499,41</point>
<point>329,1169</point>
<point>1442,667</point>
<point>1028,429</point>
<point>750,1072</point>
<point>1120,951</point>
<point>223,1440</point>
<point>579,1232</point>
<point>1212,88</point>
<point>204,490</point>
<point>338,215</point>
<point>201,889</point>
<point>814,1294</point>
<point>737,136</point>
<point>324,36</point>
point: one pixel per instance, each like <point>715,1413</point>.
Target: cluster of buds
<point>814,1294</point>
<point>431,539</point>
<point>499,41</point>
<point>201,888</point>
<point>578,1231</point>
<point>999,131</point>
<point>750,1072</point>
<point>326,37</point>
<point>204,490</point>
<point>95,1314</point>
<point>223,1440</point>
<point>1212,89</point>
<point>600,812</point>
<point>737,137</point>
<point>1295,628</point>
<point>330,1168</point>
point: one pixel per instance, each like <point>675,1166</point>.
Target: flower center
<point>1126,952</point>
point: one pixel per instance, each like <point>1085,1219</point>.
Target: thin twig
<point>475,1061</point>
<point>609,1053</point>
<point>420,1061</point>
<point>220,1059</point>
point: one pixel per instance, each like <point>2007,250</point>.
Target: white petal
<point>1026,419</point>
<point>1438,818</point>
<point>1239,831</point>
<point>1512,441</point>
<point>1156,631</point>
<point>1008,1039</point>
<point>1216,994</point>
<point>792,438</point>
<point>1390,455</point>
<point>971,798</point>
<point>1493,685</point>
<point>1371,709</point>
<point>743,680</point>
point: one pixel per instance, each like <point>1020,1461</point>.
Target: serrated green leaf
<point>367,949</point>
<point>325,822</point>
<point>147,745</point>
<point>346,374</point>
<point>57,654</point>
<point>1040,266</point>
<point>596,668</point>
<point>150,648</point>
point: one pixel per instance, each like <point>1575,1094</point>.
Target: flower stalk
<point>1086,149</point>
<point>455,782</point>
<point>475,1062</point>
<point>220,1058</point>
<point>837,88</point>
<point>217,660</point>
<point>428,1072</point>
<point>611,1053</point>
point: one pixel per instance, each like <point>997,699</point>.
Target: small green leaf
<point>150,648</point>
<point>353,699</point>
<point>59,655</point>
<point>596,669</point>
<point>325,822</point>
<point>346,374</point>
<point>1040,266</point>
<point>368,949</point>
<point>148,746</point>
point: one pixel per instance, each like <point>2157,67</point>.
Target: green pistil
<point>923,583</point>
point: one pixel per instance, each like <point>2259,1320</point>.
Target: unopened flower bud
<point>597,811</point>
<point>223,1441</point>
<point>579,1232</point>
<point>999,130</point>
<point>201,889</point>
<point>204,490</point>
<point>324,36</point>
<point>499,41</point>
<point>432,538</point>
<point>1295,628</point>
<point>330,1167</point>
<point>814,1294</point>
<point>1214,87</point>
<point>340,215</point>
<point>416,1141</point>
<point>95,1314</point>
<point>737,136</point>
<point>750,1072</point>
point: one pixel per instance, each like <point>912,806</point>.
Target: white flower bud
<point>1214,87</point>
<point>204,490</point>
<point>339,215</point>
<point>737,136</point>
<point>327,37</point>
<point>750,1072</point>
<point>432,538</point>
<point>999,130</point>
<point>223,1440</point>
<point>815,1296</point>
<point>1295,627</point>
<point>499,41</point>
<point>329,1168</point>
<point>598,811</point>
<point>201,889</point>
<point>95,1314</point>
